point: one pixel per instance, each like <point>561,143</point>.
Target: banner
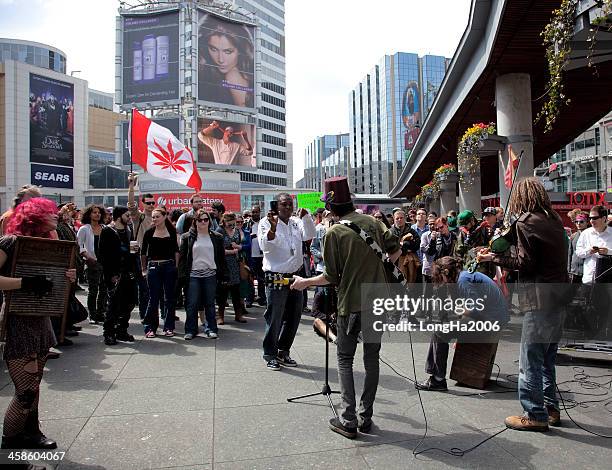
<point>181,200</point>
<point>150,58</point>
<point>226,63</point>
<point>310,201</point>
<point>223,144</point>
<point>51,121</point>
<point>51,176</point>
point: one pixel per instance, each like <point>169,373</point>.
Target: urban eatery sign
<point>587,199</point>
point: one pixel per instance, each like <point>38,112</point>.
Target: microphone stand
<point>326,390</point>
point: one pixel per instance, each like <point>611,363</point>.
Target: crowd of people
<point>154,259</point>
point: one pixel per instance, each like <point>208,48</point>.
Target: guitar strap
<point>391,268</point>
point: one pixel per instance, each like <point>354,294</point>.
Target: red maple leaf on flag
<point>168,159</point>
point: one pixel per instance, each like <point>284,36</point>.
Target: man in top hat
<point>349,263</point>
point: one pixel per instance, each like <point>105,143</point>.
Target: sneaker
<point>336,425</point>
<point>554,416</point>
<point>188,336</point>
<point>128,338</point>
<point>286,360</point>
<point>53,355</point>
<point>272,364</point>
<point>110,340</point>
<point>169,333</point>
<point>150,334</point>
<point>92,321</point>
<point>524,423</point>
<point>211,335</point>
<point>432,385</point>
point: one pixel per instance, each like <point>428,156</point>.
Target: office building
<point>386,111</point>
<point>316,153</point>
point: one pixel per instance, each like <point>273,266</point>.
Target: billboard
<point>49,176</point>
<point>150,58</point>
<point>411,113</point>
<point>51,121</point>
<point>172,124</point>
<point>226,144</point>
<point>226,61</point>
<point>181,200</point>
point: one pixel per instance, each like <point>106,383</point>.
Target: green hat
<point>464,217</point>
<point>452,223</point>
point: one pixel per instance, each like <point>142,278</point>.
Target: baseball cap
<point>490,211</point>
<point>464,217</point>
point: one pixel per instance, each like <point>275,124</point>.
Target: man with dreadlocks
<point>541,255</point>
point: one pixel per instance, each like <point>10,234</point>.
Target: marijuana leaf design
<point>168,159</point>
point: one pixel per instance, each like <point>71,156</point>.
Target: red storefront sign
<point>587,199</point>
<point>181,200</point>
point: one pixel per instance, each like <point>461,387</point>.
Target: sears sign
<point>52,176</point>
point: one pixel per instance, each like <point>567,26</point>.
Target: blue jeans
<point>161,278</point>
<point>282,315</point>
<point>536,385</point>
<point>201,291</point>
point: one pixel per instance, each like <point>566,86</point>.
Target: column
<point>470,196</point>
<point>448,194</point>
<point>514,121</point>
<point>434,205</point>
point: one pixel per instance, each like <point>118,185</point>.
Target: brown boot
<point>524,423</point>
<point>554,416</point>
<point>239,314</point>
<point>221,315</point>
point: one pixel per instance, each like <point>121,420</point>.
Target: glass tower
<point>386,111</point>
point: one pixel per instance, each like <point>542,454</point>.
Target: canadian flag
<point>160,153</point>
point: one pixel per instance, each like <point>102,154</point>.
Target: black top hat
<point>336,191</point>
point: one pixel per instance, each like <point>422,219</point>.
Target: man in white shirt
<point>280,237</point>
<point>594,242</point>
<point>256,260</point>
<point>225,151</point>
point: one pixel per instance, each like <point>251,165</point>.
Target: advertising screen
<point>181,200</point>
<point>226,144</point>
<point>150,58</point>
<point>51,121</point>
<point>411,114</point>
<point>226,62</point>
<point>172,124</point>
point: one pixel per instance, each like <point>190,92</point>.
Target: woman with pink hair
<point>26,339</point>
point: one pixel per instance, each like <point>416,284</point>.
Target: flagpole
<point>131,138</point>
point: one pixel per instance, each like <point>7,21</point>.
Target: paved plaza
<point>204,404</point>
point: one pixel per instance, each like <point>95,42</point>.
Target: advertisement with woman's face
<point>226,62</point>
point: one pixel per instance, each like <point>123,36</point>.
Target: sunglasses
<point>150,203</point>
<point>595,218</point>
<point>203,219</point>
<point>231,225</point>
<point>581,221</point>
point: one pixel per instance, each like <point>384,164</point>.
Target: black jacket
<point>412,244</point>
<point>114,261</point>
<point>186,255</point>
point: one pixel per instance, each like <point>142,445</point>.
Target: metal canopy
<point>503,37</point>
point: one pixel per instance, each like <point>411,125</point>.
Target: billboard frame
<point>120,31</point>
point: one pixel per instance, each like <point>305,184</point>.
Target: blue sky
<point>331,46</point>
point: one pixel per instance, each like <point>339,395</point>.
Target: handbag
<point>245,271</point>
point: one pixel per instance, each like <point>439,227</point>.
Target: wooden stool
<point>473,363</point>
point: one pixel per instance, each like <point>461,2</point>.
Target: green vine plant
<point>557,36</point>
<point>606,10</point>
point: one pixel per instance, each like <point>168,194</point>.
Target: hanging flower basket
<point>447,172</point>
<point>430,189</point>
<point>468,160</point>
